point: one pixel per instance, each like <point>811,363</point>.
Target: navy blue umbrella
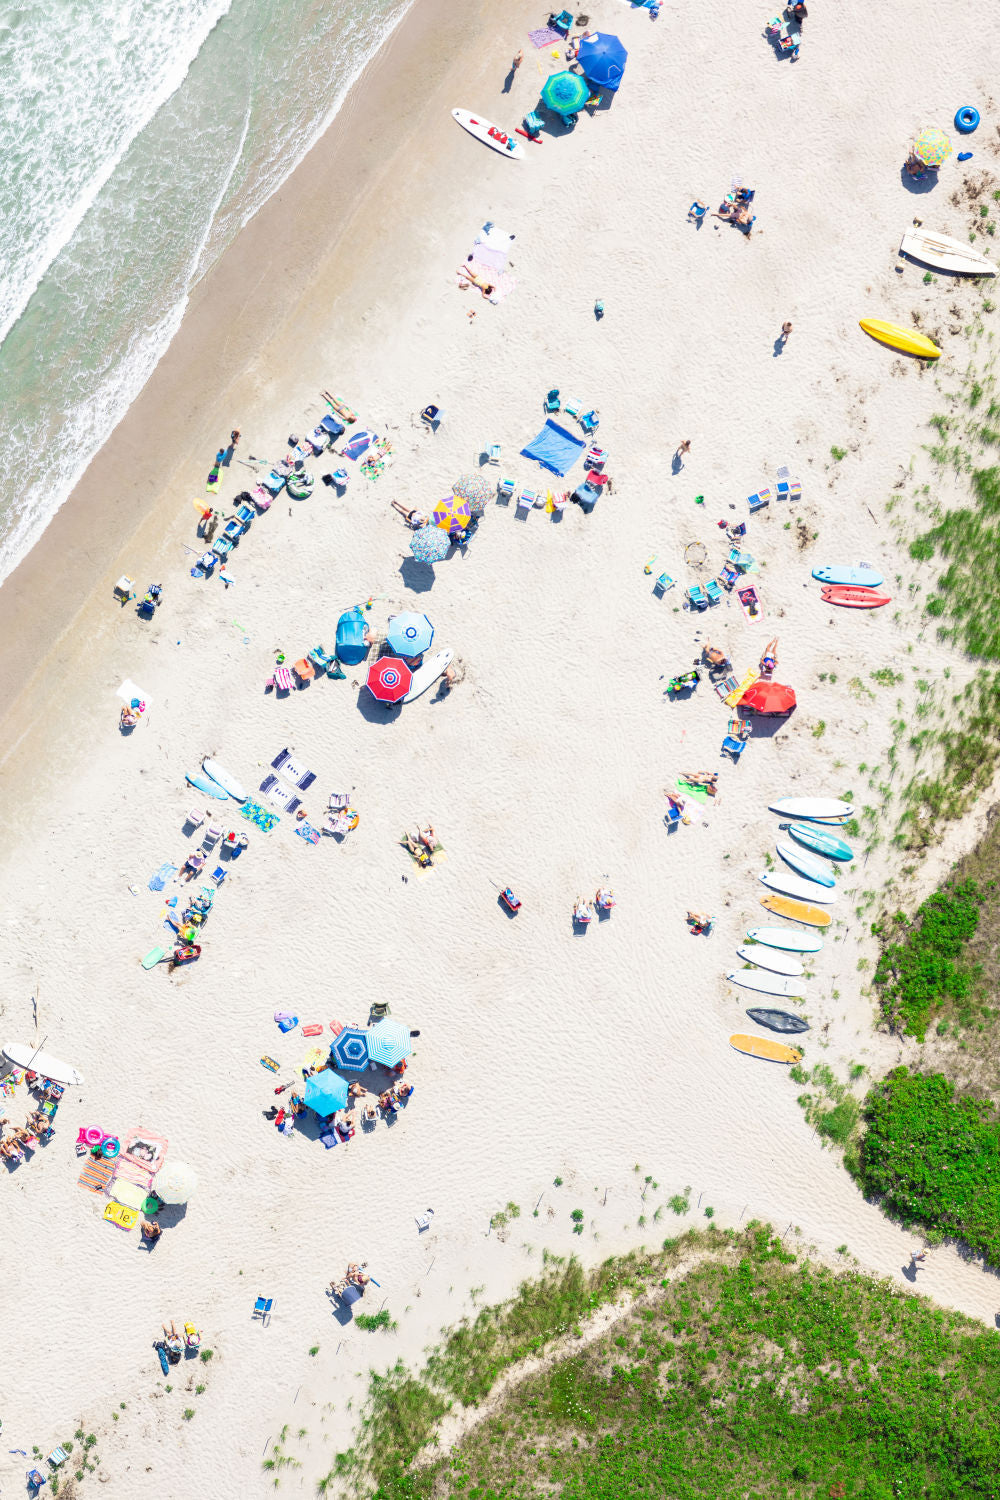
<point>602,58</point>
<point>350,1050</point>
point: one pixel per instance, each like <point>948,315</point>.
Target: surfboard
<point>228,783</point>
<point>905,340</point>
<point>855,598</point>
<point>762,1046</point>
<point>429,673</point>
<point>771,958</point>
<point>806,865</point>
<point>778,1020</point>
<point>796,911</point>
<point>24,1055</point>
<point>823,842</point>
<point>490,135</point>
<point>213,483</point>
<point>865,578</point>
<point>794,885</point>
<point>811,807</point>
<point>784,937</point>
<point>766,984</point>
<point>944,253</point>
<point>207,785</point>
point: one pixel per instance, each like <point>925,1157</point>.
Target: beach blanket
<point>502,281</point>
<point>544,36</point>
<point>359,444</point>
<point>96,1175</point>
<point>129,690</point>
<point>277,794</point>
<point>143,1148</point>
<point>134,1172</point>
<point>308,833</point>
<point>259,816</point>
<point>292,771</point>
<point>491,248</point>
<point>555,448</point>
<point>698,792</point>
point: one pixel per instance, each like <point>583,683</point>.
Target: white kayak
<point>805,864</point>
<point>770,958</point>
<point>490,135</point>
<point>787,938</point>
<point>811,807</point>
<point>794,885</point>
<point>222,778</point>
<point>429,673</point>
<point>944,253</point>
<point>766,984</point>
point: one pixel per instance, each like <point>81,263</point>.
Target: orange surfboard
<point>799,911</point>
<point>761,1046</point>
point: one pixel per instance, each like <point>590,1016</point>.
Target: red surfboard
<point>854,598</point>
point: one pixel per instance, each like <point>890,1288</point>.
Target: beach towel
<point>259,816</point>
<point>492,247</point>
<point>376,461</point>
<point>292,771</point>
<point>359,444</point>
<point>130,690</point>
<point>96,1175</point>
<point>164,873</point>
<point>555,448</point>
<point>131,1194</point>
<point>308,833</point>
<point>277,794</point>
<point>698,792</point>
<point>144,1149</point>
<point>134,1172</point>
<point>544,36</point>
<point>501,280</point>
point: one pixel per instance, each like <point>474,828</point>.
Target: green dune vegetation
<point>732,1368</point>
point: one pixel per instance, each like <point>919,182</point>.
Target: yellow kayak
<point>761,1046</point>
<point>906,340</point>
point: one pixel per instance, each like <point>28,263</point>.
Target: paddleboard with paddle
<point>865,578</point>
<point>793,885</point>
<point>904,340</point>
<point>490,135</point>
<point>805,865</point>
<point>766,984</point>
<point>770,958</point>
<point>855,598</point>
<point>763,1047</point>
<point>427,674</point>
<point>784,937</point>
<point>812,807</point>
<point>796,911</point>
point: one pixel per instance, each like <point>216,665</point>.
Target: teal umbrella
<point>565,93</point>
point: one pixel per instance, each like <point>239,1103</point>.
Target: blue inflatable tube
<point>966,119</point>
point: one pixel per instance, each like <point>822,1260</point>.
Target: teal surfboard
<point>785,937</point>
<point>821,841</point>
<point>208,786</point>
<point>812,869</point>
<point>864,578</point>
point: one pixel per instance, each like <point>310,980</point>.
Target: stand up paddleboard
<point>821,841</point>
<point>490,135</point>
<point>905,340</point>
<point>805,865</point>
<point>865,578</point>
<point>766,984</point>
<point>761,1046</point>
<point>796,911</point>
<point>770,958</point>
<point>429,673</point>
<point>783,937</point>
<point>794,885</point>
<point>221,776</point>
<point>811,807</point>
<point>944,253</point>
<point>854,598</point>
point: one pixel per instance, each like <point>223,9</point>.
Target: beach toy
<point>966,120</point>
<point>964,156</point>
<point>288,1023</point>
<point>699,499</point>
<point>89,1136</point>
<point>312,1030</point>
<point>110,1147</point>
<point>269,1063</point>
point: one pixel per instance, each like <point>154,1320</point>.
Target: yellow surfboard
<point>762,1046</point>
<point>798,911</point>
<point>906,340</point>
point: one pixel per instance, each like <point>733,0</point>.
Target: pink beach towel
<point>544,36</point>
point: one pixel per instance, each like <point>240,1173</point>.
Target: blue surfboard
<point>822,842</point>
<point>864,578</point>
<point>208,786</point>
<point>811,868</point>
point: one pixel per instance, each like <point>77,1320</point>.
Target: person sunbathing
<point>485,288</point>
<point>128,719</point>
<point>769,660</point>
<point>172,1338</point>
<point>699,921</point>
<point>707,779</point>
<point>403,1090</point>
<point>428,838</point>
<point>11,1150</point>
<point>387,1102</point>
<point>715,657</point>
<point>150,1230</point>
<point>420,854</point>
<point>356,1091</point>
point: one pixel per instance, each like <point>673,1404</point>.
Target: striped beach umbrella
<point>932,146</point>
<point>565,93</point>
<point>429,544</point>
<point>409,634</point>
<point>476,490</point>
<point>451,513</point>
<point>350,1050</point>
<point>389,1042</point>
<point>389,679</point>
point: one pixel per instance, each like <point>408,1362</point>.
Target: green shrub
<point>922,965</point>
<point>372,1322</point>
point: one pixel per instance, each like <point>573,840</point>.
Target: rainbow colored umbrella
<point>565,93</point>
<point>452,513</point>
<point>389,679</point>
<point>932,146</point>
<point>429,544</point>
<point>476,490</point>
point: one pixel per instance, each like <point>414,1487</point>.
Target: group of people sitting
<point>604,901</point>
<point>356,1275</point>
<point>15,1140</point>
<point>422,846</point>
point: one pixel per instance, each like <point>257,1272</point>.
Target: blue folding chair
<point>733,747</point>
<point>713,591</point>
<point>552,400</point>
<point>262,1308</point>
<point>697,598</point>
<point>662,584</point>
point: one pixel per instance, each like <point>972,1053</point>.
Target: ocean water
<point>137,137</point>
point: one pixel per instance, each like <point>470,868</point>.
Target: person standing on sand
<point>682,448</point>
<point>786,329</point>
<point>916,1261</point>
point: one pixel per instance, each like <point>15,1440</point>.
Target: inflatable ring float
<point>966,119</point>
<point>353,819</point>
<point>111,1147</point>
<point>92,1136</point>
<point>300,486</point>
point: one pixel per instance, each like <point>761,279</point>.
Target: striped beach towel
<point>96,1175</point>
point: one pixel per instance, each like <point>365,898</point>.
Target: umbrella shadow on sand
<point>918,185</point>
<point>766,726</point>
<point>417,576</point>
<point>374,712</point>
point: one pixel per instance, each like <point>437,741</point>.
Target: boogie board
<point>429,673</point>
<point>228,783</point>
<point>906,340</point>
<point>762,1046</point>
<point>490,135</point>
<point>855,598</point>
<point>153,957</point>
<point>766,984</point>
<point>944,253</point>
<point>213,483</point>
<point>794,885</point>
<point>865,578</point>
<point>811,807</point>
<point>796,911</point>
<point>770,958</point>
<point>805,865</point>
<point>820,840</point>
<point>784,937</point>
<point>205,784</point>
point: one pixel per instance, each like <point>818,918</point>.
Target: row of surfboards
<point>799,889</point>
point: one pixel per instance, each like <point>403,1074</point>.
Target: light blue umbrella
<point>350,1050</point>
<point>602,58</point>
<point>325,1093</point>
<point>389,1043</point>
<point>409,634</point>
<point>430,544</point>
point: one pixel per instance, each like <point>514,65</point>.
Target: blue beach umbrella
<point>350,1050</point>
<point>430,544</point>
<point>602,58</point>
<point>389,1043</point>
<point>325,1093</point>
<point>565,93</point>
<point>409,634</point>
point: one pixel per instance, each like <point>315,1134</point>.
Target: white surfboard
<point>766,984</point>
<point>770,958</point>
<point>221,776</point>
<point>946,254</point>
<point>24,1055</point>
<point>794,885</point>
<point>490,135</point>
<point>811,807</point>
<point>806,864</point>
<point>429,673</point>
<point>787,938</point>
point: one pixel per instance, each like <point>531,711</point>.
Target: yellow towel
<point>749,678</point>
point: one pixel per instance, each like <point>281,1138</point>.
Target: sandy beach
<point>543,1052</point>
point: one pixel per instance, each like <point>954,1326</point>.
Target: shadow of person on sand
<point>508,82</point>
<point>779,345</point>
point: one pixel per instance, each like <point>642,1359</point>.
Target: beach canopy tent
<point>565,93</point>
<point>25,1055</point>
<point>769,698</point>
<point>325,1093</point>
<point>389,679</point>
<point>554,448</point>
<point>350,1050</point>
<point>175,1182</point>
<point>602,58</point>
<point>351,648</point>
<point>430,544</point>
<point>409,634</point>
<point>389,1042</point>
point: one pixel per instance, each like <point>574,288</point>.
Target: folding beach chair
<point>590,422</point>
<point>505,488</point>
<point>304,670</point>
<point>696,598</point>
<point>713,591</point>
<point>733,747</point>
<point>662,584</point>
<point>262,1309</point>
<point>572,408</point>
<point>756,502</point>
<point>525,503</point>
<point>494,453</point>
<point>35,1480</point>
<point>283,680</point>
<point>552,399</point>
<point>533,123</point>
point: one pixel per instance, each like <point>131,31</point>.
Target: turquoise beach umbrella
<point>565,93</point>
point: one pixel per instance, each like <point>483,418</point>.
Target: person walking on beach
<point>518,60</point>
<point>917,1260</point>
<point>786,329</point>
<point>683,448</point>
